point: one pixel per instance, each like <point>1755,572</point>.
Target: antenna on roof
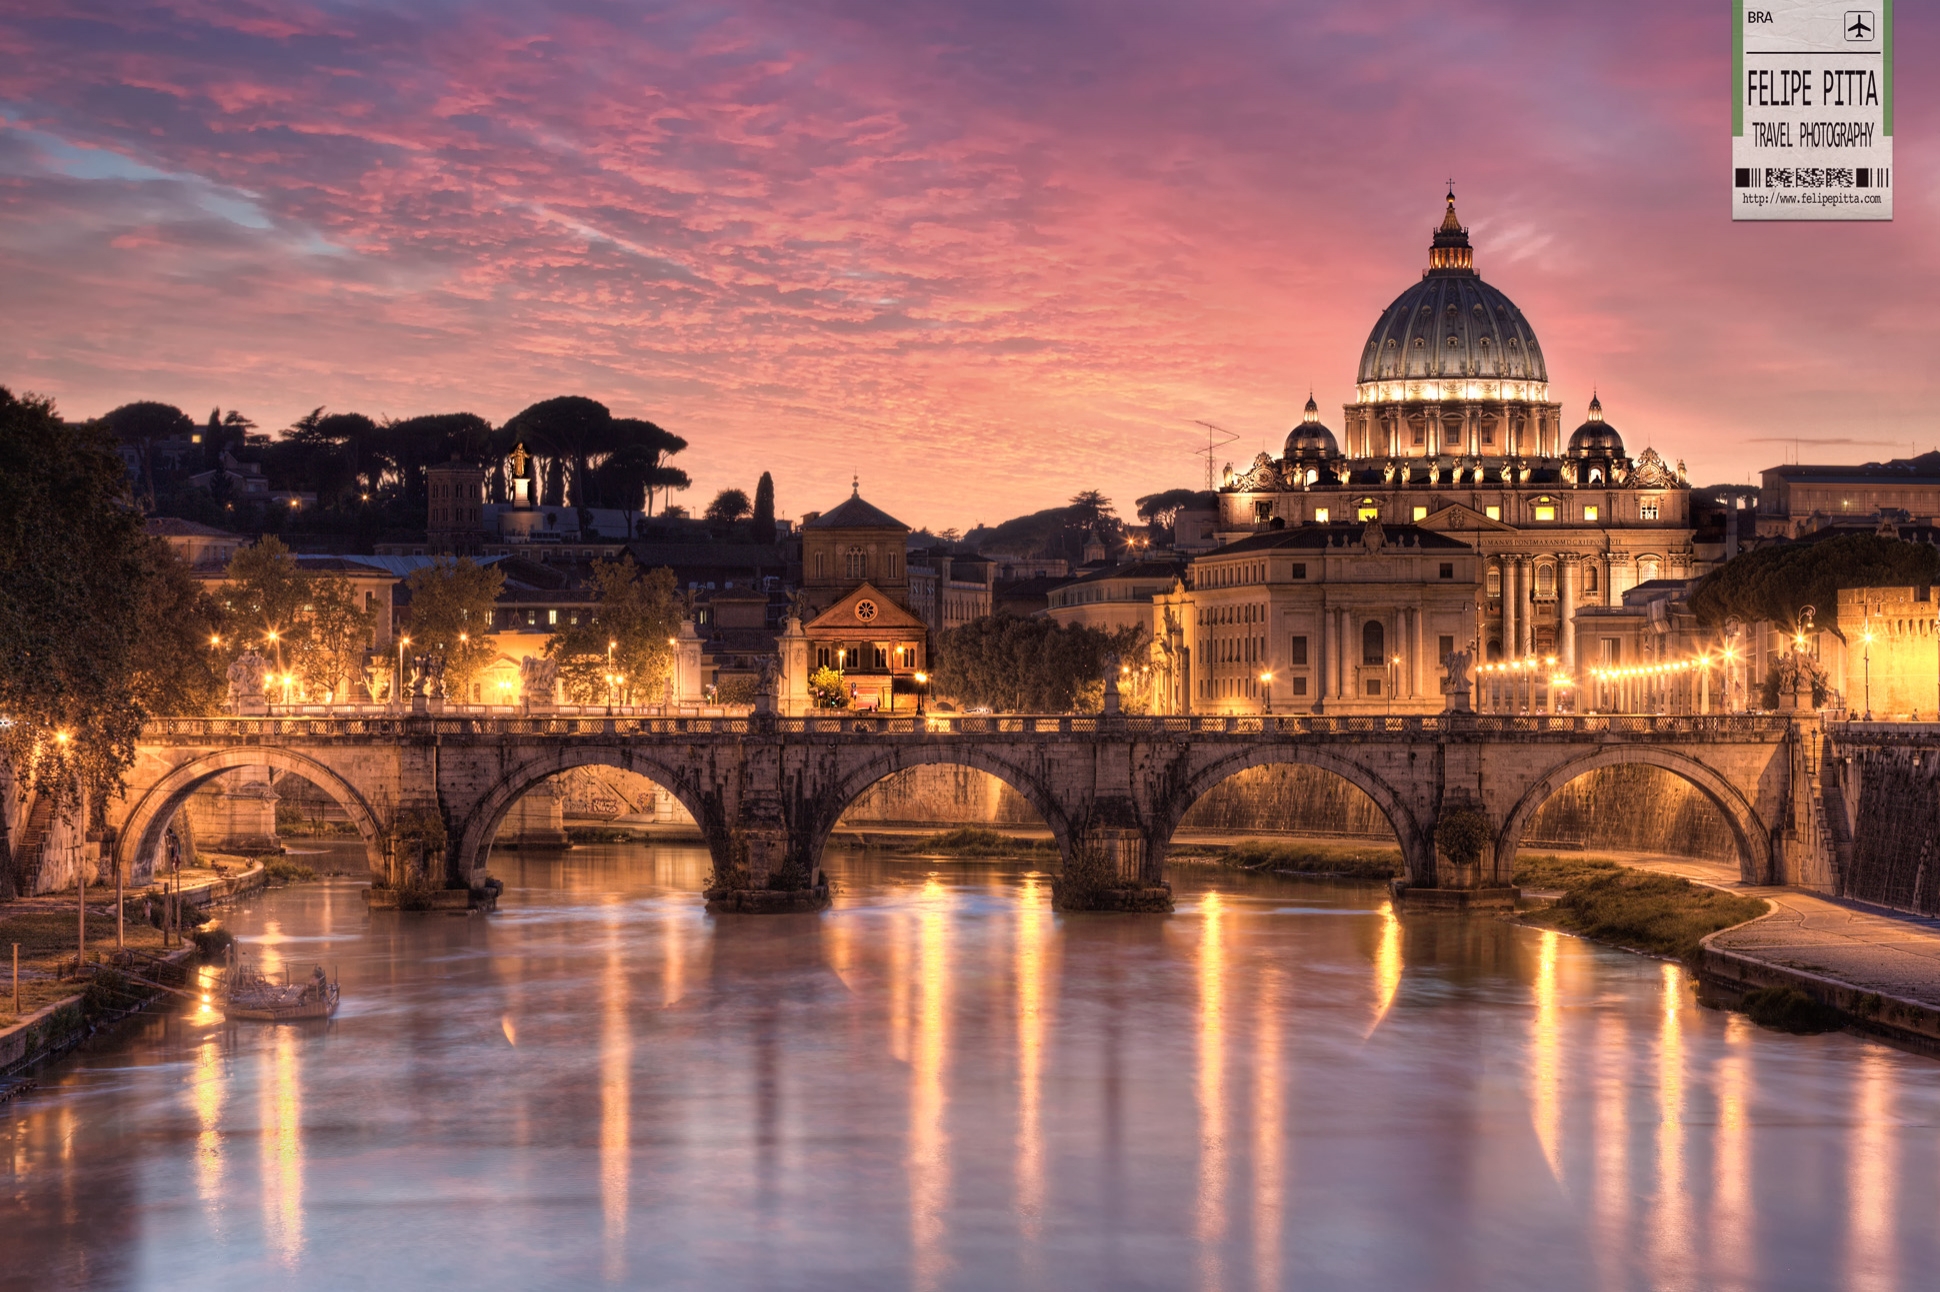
<point>1212,447</point>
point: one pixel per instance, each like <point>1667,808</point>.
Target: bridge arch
<point>827,808</point>
<point>1417,853</point>
<point>475,835</point>
<point>1752,836</point>
<point>143,827</point>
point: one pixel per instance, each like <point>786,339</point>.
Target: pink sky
<point>984,255</point>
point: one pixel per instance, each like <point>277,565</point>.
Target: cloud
<point>984,254</point>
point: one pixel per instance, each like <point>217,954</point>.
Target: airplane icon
<point>1859,24</point>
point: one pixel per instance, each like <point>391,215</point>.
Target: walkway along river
<point>941,1083</point>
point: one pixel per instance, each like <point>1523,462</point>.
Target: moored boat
<point>246,994</point>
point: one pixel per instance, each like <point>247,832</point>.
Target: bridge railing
<point>982,724</point>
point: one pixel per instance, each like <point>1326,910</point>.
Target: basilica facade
<point>1452,430</point>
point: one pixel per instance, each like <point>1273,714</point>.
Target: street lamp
<point>1867,637</point>
<point>1394,675</point>
<point>1266,687</point>
<point>922,684</point>
<point>397,684</point>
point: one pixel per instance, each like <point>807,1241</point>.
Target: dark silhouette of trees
<point>763,524</point>
<point>1029,665</point>
<point>728,506</point>
<point>563,433</point>
<point>139,425</point>
<point>1774,583</point>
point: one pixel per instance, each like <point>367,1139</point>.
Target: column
<point>1507,566</point>
<point>1414,668</point>
<point>1566,571</point>
<point>1526,611</point>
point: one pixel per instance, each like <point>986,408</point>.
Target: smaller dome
<point>1310,439</point>
<point>1596,438</point>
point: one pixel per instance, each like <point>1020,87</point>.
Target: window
<point>1493,513</point>
<point>1420,512</point>
<point>1495,582</point>
<point>1374,644</point>
<point>1590,513</point>
<point>1545,580</point>
<point>1367,513</point>
<point>552,616</point>
<point>1612,651</point>
<point>1448,570</point>
<point>1444,647</point>
<point>858,564</point>
<point>1263,510</point>
<point>1421,433</point>
<point>821,657</point>
<point>1320,515</point>
<point>1488,434</point>
<point>1589,578</point>
<point>1373,685</point>
<point>1299,569</point>
<point>1299,686</point>
<point>881,658</point>
<point>1647,510</point>
<point>1545,512</point>
<point>1297,651</point>
<point>1646,568</point>
<point>821,565</point>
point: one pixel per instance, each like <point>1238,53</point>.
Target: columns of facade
<point>1506,570</point>
<point>1526,613</point>
<point>1566,569</point>
<point>1343,671</point>
<point>1415,667</point>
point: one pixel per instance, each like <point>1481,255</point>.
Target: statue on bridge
<point>246,683</point>
<point>1455,683</point>
<point>538,679</point>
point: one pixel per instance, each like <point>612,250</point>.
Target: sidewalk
<point>1844,944</point>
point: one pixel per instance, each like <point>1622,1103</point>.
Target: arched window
<point>1646,568</point>
<point>1495,581</point>
<point>1545,580</point>
<point>1374,643</point>
<point>1589,578</point>
<point>858,564</point>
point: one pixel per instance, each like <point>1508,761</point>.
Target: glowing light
<point>1387,965</point>
<point>1211,1228</point>
<point>1546,1107</point>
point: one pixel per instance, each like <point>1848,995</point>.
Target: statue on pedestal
<point>1455,683</point>
<point>246,683</point>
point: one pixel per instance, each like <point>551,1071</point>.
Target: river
<point>940,1083</point>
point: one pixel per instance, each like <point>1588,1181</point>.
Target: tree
<point>175,672</point>
<point>1029,665</point>
<point>414,443</point>
<point>451,615</point>
<point>329,654</point>
<point>763,524</point>
<point>1162,509</point>
<point>73,566</point>
<point>1774,583</point>
<point>139,425</point>
<point>829,687</point>
<point>728,506</point>
<point>566,430</point>
<point>637,616</point>
<point>308,623</point>
<point>644,449</point>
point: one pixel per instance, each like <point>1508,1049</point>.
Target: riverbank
<point>1636,909</point>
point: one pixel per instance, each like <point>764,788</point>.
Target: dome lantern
<point>1449,252</point>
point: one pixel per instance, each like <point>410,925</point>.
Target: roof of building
<point>1038,586</point>
<point>1136,570</point>
<point>1595,438</point>
<point>1924,469</point>
<point>176,527</point>
<point>1310,439</point>
<point>1343,535</point>
<point>401,566</point>
<point>1451,324</point>
<point>854,513</point>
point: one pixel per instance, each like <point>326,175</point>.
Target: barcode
<point>1812,177</point>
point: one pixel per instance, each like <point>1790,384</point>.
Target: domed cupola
<point>1596,438</point>
<point>1310,441</point>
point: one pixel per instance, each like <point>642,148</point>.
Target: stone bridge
<point>767,790</point>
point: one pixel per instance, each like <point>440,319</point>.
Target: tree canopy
<point>451,615</point>
<point>637,615</point>
<point>728,506</point>
<point>307,622</point>
<point>1774,583</point>
<point>1029,665</point>
<point>74,567</point>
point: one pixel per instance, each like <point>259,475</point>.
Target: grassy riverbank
<point>971,841</point>
<point>1345,859</point>
<point>1660,915</point>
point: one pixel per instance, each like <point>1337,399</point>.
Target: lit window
<point>1367,513</point>
<point>1589,513</point>
<point>1545,513</point>
<point>1647,510</point>
<point>552,616</point>
<point>1421,513</point>
<point>1320,515</point>
<point>1493,513</point>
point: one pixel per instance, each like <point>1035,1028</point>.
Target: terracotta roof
<point>854,513</point>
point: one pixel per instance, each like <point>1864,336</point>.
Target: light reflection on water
<point>942,1083</point>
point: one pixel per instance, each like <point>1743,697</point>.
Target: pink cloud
<point>985,256</point>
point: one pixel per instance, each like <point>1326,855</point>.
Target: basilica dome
<point>1310,439</point>
<point>1596,438</point>
<point>1453,327</point>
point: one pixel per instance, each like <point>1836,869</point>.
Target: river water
<point>942,1084</point>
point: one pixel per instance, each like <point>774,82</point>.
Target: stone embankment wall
<point>1895,828</point>
<point>1639,809</point>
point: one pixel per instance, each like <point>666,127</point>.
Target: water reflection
<point>929,1140</point>
<point>1212,1089</point>
<point>1079,1102</point>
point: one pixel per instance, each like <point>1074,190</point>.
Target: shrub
<point>281,870</point>
<point>1660,914</point>
<point>1373,862</point>
<point>1463,835</point>
<point>974,841</point>
<point>1787,1009</point>
<point>107,990</point>
<point>212,944</point>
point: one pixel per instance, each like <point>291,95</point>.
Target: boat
<point>246,994</point>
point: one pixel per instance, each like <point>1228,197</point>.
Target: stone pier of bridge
<point>429,794</point>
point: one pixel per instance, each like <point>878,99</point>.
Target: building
<point>1453,430</point>
<point>1115,598</point>
<point>947,590</point>
<point>1334,618</point>
<point>201,547</point>
<point>849,545</point>
<point>455,525</point>
<point>1891,664</point>
<point>1798,499</point>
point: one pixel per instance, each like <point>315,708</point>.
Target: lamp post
<point>397,686</point>
<point>611,645</point>
<point>922,685</point>
<point>1867,656</point>
<point>1266,689</point>
<point>1394,679</point>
